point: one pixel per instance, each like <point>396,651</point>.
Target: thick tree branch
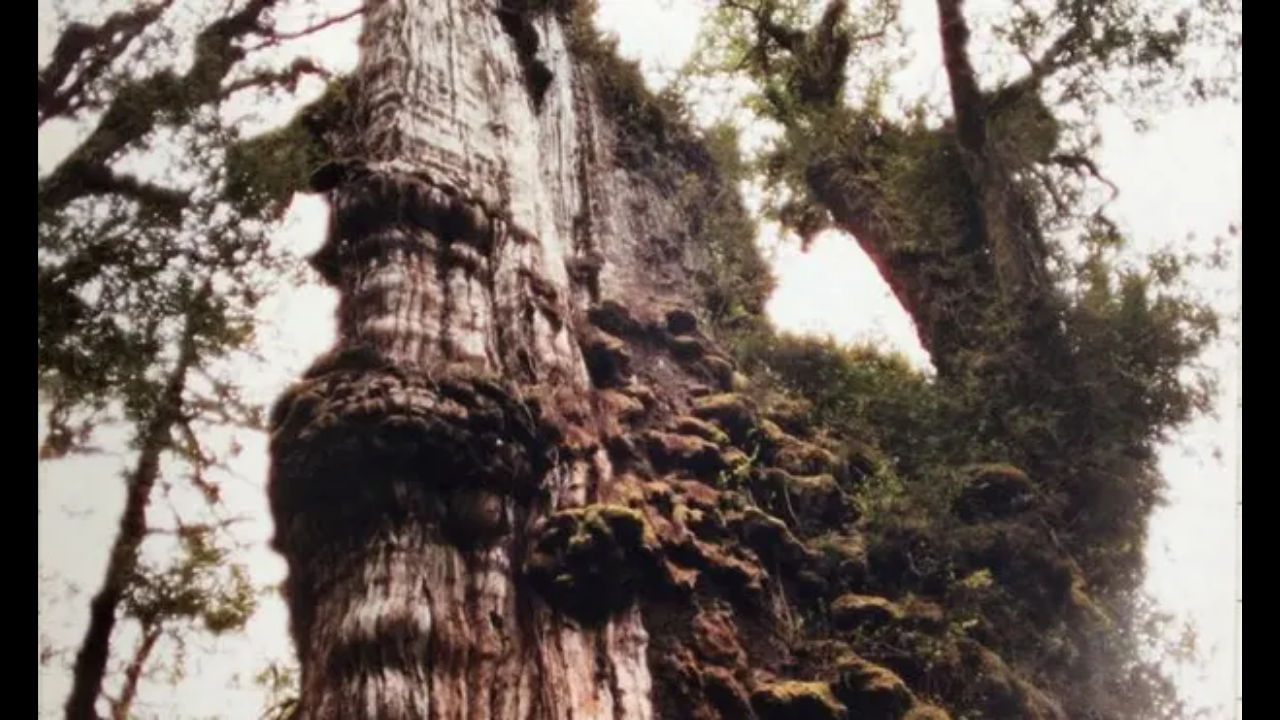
<point>914,276</point>
<point>91,49</point>
<point>156,437</point>
<point>966,96</point>
<point>140,105</point>
<point>96,179</point>
<point>287,78</point>
<point>1002,221</point>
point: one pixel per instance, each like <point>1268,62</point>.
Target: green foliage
<point>154,252</point>
<point>865,395</point>
<point>281,685</point>
<point>1081,390</point>
<point>264,172</point>
<point>738,281</point>
<point>1137,337</point>
<point>114,294</point>
<point>201,586</point>
<point>1141,333</point>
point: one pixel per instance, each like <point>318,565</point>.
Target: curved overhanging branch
<point>139,106</point>
<point>278,37</point>
<point>83,54</point>
<point>143,104</point>
<point>970,266</point>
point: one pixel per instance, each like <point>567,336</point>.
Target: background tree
<point>151,266</point>
<point>983,221</point>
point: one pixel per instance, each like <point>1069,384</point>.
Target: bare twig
<point>194,450</point>
<point>99,179</point>
<point>275,38</point>
<point>184,528</point>
<point>1084,164</point>
<point>121,706</point>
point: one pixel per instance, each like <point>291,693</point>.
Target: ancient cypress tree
<point>526,427</point>
<point>528,482</point>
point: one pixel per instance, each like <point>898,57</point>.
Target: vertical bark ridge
<point>409,464</point>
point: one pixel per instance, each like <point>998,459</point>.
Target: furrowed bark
<point>412,465</point>
<point>526,484</point>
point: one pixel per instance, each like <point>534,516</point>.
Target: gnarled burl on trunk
<point>412,464</point>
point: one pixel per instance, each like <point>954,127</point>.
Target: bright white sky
<point>1185,177</point>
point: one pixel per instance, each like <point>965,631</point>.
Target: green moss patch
<point>993,491</point>
<point>733,412</point>
<point>593,562</point>
<point>870,691</point>
<point>853,611</point>
<point>797,701</point>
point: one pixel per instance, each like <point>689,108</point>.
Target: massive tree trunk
<point>470,227</point>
